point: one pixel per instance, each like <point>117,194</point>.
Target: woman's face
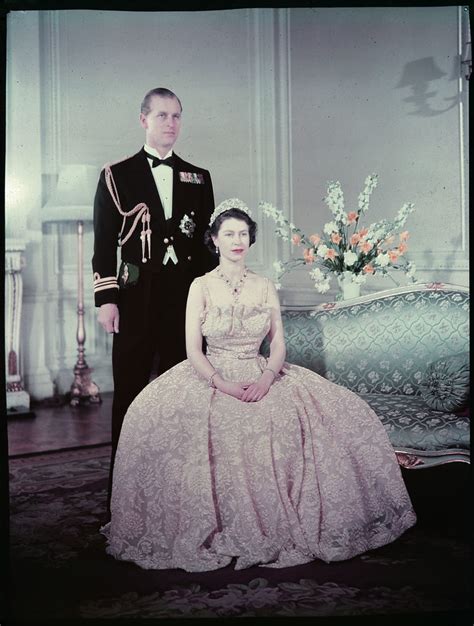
<point>233,239</point>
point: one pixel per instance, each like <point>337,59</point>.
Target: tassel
<point>142,237</point>
<point>148,233</point>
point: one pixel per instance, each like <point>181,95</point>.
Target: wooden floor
<point>60,427</point>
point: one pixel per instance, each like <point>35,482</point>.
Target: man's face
<point>162,123</point>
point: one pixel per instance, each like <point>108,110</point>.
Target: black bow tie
<point>157,161</point>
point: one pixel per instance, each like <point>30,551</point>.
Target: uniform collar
<point>154,152</point>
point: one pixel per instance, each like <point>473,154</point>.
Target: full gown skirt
<point>201,478</point>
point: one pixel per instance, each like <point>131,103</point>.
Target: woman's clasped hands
<point>247,391</point>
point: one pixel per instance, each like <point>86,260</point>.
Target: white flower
<point>278,267</point>
<point>335,200</point>
<point>322,250</point>
<point>382,259</point>
<point>350,258</point>
<point>359,279</point>
<point>282,233</point>
<point>403,213</point>
<point>322,286</point>
<point>280,219</point>
<point>363,202</point>
<point>331,227</point>
<point>317,275</point>
<point>371,181</point>
<point>277,286</point>
<point>376,235</point>
<point>370,184</point>
<point>407,208</point>
<point>378,231</point>
<point>268,209</point>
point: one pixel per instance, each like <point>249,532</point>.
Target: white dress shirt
<point>163,176</point>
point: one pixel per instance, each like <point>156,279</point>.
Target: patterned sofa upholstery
<point>381,346</point>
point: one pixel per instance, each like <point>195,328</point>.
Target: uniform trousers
<point>152,319</point>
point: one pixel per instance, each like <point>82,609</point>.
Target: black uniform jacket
<point>192,196</point>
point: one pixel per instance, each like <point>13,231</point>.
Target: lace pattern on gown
<point>202,478</point>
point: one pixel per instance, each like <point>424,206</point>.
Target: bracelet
<point>211,383</point>
<point>272,371</point>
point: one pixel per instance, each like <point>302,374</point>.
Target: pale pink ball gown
<point>200,477</point>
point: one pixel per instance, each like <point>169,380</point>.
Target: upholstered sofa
<point>405,351</point>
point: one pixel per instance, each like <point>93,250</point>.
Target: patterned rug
<point>59,568</point>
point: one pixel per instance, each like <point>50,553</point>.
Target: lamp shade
<point>73,198</point>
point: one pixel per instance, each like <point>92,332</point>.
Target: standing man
<point>156,208</point>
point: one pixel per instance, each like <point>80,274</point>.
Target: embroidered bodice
<point>234,329</point>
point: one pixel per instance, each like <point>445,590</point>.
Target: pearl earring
<point>217,250</point>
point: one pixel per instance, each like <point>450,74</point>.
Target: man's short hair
<point>157,91</point>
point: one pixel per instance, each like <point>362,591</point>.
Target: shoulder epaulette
<point>115,162</point>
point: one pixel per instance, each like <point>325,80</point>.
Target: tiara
<point>230,203</point>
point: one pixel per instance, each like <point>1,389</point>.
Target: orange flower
<point>363,232</point>
<point>331,254</point>
<point>404,236</point>
<point>336,238</point>
<point>315,239</point>
<point>402,248</point>
<point>351,217</point>
<point>368,269</point>
<point>355,239</point>
<point>308,255</point>
<point>393,255</point>
<point>365,246</point>
<point>296,239</point>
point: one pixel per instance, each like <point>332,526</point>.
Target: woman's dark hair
<point>216,224</point>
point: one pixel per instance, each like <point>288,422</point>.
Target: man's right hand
<point>108,317</point>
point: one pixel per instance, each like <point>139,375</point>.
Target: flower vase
<point>348,288</point>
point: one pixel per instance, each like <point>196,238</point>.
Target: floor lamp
<point>72,202</point>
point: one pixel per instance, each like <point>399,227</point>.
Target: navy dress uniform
<point>160,258</point>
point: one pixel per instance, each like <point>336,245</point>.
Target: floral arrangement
<point>345,249</point>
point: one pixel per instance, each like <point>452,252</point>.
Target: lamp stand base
<point>83,389</point>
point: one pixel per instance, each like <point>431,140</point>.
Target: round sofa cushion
<point>445,385</point>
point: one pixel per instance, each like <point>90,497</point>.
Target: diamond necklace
<point>236,289</point>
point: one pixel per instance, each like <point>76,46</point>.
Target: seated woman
<point>229,455</point>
